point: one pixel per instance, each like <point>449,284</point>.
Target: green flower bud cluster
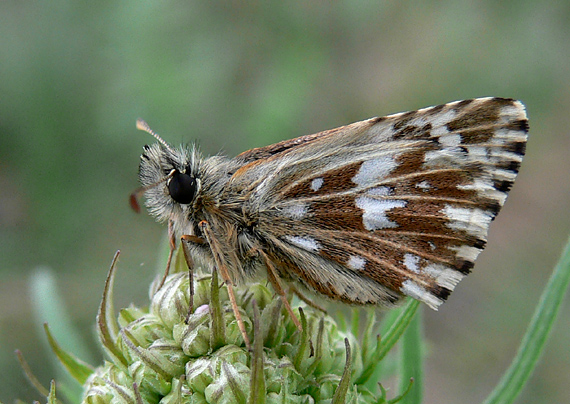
<point>170,354</point>
<point>202,358</point>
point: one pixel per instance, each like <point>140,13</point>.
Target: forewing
<point>286,145</point>
<point>390,206</point>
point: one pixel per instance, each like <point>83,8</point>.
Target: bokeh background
<point>234,75</point>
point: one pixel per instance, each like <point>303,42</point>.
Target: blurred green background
<point>234,75</point>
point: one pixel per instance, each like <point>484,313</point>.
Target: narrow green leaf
<point>339,396</point>
<point>78,369</point>
<point>401,396</point>
<point>257,391</point>
<point>368,335</point>
<point>411,365</point>
<point>233,383</point>
<point>107,326</point>
<point>538,331</point>
<point>304,343</point>
<point>389,339</point>
<point>392,336</point>
<point>51,397</point>
<point>159,364</point>
<point>49,307</point>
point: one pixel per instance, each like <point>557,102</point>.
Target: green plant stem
<point>514,379</point>
<point>411,365</point>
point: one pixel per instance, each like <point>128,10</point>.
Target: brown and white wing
<point>391,206</point>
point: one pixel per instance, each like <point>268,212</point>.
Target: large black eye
<point>182,187</point>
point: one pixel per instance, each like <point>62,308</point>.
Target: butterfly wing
<point>287,145</point>
<point>390,206</point>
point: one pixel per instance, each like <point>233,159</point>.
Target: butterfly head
<point>169,178</point>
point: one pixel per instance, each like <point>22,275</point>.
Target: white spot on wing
<point>412,289</point>
<point>317,183</point>
<point>374,170</point>
<point>306,243</point>
<point>485,188</point>
<point>439,131</point>
<point>453,140</point>
<point>424,185</point>
<point>478,152</point>
<point>431,156</point>
<point>411,262</point>
<point>297,211</point>
<point>473,221</point>
<point>356,262</point>
<point>374,216</point>
<point>511,112</point>
<point>466,252</point>
<point>441,119</point>
<point>379,191</point>
<point>444,276</point>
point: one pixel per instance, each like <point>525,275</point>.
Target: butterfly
<point>366,213</point>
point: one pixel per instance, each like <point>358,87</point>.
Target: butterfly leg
<point>215,247</point>
<point>190,263</point>
<point>172,242</point>
<point>276,283</point>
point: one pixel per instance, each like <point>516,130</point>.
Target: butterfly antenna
<point>142,125</point>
